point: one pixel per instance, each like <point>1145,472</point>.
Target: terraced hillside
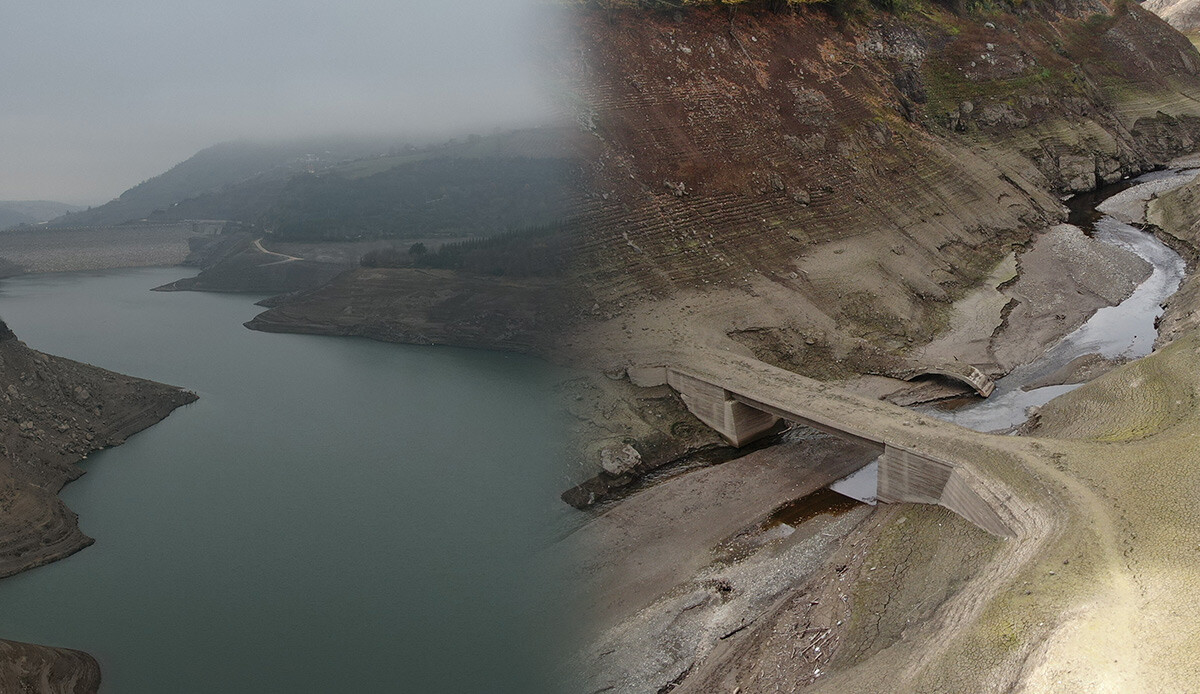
<point>819,191</point>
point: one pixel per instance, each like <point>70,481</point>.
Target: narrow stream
<point>1122,332</point>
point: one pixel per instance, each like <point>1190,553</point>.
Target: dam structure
<point>744,399</point>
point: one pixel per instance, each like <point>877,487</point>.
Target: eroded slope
<point>819,193</point>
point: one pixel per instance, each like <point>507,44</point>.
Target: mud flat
<point>428,307</point>
<point>1118,331</point>
<point>659,600</point>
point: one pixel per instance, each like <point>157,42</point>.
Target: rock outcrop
<point>28,668</point>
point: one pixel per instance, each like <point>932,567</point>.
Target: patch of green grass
<point>947,87</point>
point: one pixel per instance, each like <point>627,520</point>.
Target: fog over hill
<point>360,188</point>
<point>16,212</point>
<point>98,97</point>
<point>219,166</point>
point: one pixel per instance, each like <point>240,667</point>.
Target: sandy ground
<point>1132,440</point>
<point>659,598</point>
<point>1063,279</point>
<point>973,320</point>
<point>1129,206</point>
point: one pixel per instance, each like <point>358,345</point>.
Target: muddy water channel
<point>1116,333</point>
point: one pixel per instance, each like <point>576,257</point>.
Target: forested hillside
<point>475,187</point>
<point>218,167</point>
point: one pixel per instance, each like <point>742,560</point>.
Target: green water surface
<point>333,515</point>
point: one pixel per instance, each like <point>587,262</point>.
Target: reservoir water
<point>333,515</point>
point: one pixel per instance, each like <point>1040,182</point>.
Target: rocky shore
<point>28,668</point>
<point>56,412</point>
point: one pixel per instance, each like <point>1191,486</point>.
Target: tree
<point>417,248</point>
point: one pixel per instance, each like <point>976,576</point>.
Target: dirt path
<point>286,258</point>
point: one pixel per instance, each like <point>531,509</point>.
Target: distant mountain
<point>11,218</point>
<point>218,167</point>
<point>437,197</point>
<point>16,212</point>
<point>477,186</point>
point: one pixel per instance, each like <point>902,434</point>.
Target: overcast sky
<point>98,95</point>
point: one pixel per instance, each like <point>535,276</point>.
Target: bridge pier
<point>905,475</point>
<point>736,422</point>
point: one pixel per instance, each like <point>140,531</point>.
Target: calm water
<point>333,515</point>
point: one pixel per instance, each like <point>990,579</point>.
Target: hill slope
<point>14,212</point>
<point>820,191</point>
<point>1184,15</point>
<point>217,167</point>
<point>477,187</point>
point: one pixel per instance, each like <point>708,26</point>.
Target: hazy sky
<point>98,95</point>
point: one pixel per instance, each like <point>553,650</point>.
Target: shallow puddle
<point>821,502</point>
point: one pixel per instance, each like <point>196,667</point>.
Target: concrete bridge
<point>744,399</point>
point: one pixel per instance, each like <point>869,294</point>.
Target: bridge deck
<point>923,459</point>
<point>797,397</point>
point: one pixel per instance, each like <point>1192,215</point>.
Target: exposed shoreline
<point>58,411</point>
<point>802,614</point>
